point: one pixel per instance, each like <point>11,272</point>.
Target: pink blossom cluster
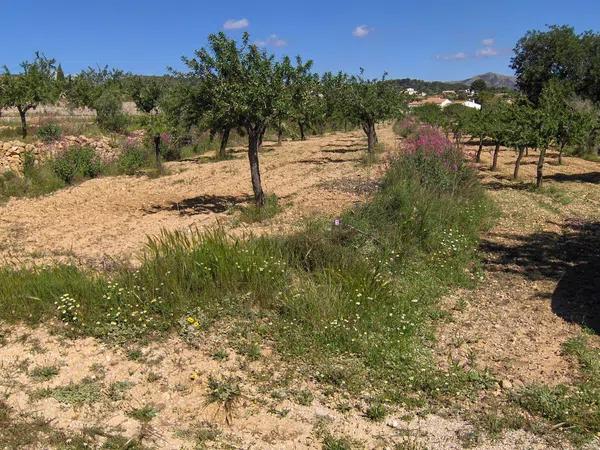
<point>430,141</point>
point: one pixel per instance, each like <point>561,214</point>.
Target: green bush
<point>109,112</point>
<point>36,180</point>
<point>49,132</point>
<point>77,163</point>
<point>132,160</point>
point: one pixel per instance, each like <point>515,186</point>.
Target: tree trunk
<point>211,135</point>
<point>224,140</point>
<point>540,168</point>
<point>302,135</point>
<point>23,114</point>
<point>254,138</point>
<point>478,156</point>
<point>279,134</point>
<point>520,151</point>
<point>560,153</point>
<point>369,130</point>
<point>526,151</point>
<point>156,140</point>
<point>495,159</point>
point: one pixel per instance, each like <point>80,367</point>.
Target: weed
<point>144,414</point>
<point>44,373</point>
<point>75,394</point>
<point>303,397</point>
<point>225,392</point>
<point>573,408</point>
<point>116,391</point>
<point>376,412</point>
<point>252,213</point>
<point>220,355</point>
<point>334,443</point>
<point>49,132</point>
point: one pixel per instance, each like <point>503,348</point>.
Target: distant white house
<point>445,103</point>
<point>410,91</point>
<point>472,104</point>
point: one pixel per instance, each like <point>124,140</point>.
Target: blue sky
<point>432,40</point>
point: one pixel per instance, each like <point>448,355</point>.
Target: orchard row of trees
<point>559,119</point>
<point>226,86</point>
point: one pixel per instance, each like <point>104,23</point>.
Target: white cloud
<point>272,41</point>
<point>453,56</point>
<point>489,42</point>
<point>487,52</point>
<point>236,24</point>
<point>361,31</point>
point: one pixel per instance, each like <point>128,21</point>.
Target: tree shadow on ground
<point>325,160</point>
<point>343,150</point>
<point>590,177</point>
<point>570,257</point>
<point>202,204</point>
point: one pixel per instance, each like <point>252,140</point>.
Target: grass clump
<point>44,373</point>
<point>34,182</point>
<point>376,412</point>
<point>574,408</point>
<point>253,214</point>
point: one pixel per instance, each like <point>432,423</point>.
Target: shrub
<point>132,160</point>
<point>77,162</point>
<point>109,112</point>
<point>49,132</point>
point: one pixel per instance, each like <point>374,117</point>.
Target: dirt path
<point>110,218</point>
<point>541,263</point>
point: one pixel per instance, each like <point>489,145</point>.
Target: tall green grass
<point>355,296</point>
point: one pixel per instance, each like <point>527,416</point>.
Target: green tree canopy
<point>34,85</point>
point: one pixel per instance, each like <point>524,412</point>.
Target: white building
<point>472,104</point>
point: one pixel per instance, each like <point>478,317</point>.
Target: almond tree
<point>247,82</point>
<point>306,98</point>
<point>371,101</point>
<point>34,85</point>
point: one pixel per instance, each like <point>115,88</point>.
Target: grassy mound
<point>355,297</point>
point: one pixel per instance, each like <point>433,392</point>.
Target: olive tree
<point>247,82</point>
<point>34,85</point>
<point>371,101</point>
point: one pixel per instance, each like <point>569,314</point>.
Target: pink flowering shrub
<point>430,141</point>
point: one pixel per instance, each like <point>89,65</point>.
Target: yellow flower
<point>191,320</point>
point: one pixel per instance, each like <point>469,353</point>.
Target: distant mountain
<point>494,80</point>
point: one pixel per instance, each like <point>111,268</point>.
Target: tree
<point>523,129</point>
<point>246,81</point>
<point>560,54</point>
<point>369,102</point>
<point>479,85</point>
<point>498,118</point>
<point>145,92</point>
<point>60,75</point>
<point>35,85</point>
<point>457,118</point>
<point>306,100</point>
<point>100,89</point>
<point>549,104</point>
